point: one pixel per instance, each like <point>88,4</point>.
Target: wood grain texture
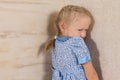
<point>25,25</point>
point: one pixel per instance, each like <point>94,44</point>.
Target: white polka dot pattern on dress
<point>67,58</point>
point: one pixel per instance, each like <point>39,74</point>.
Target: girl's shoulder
<point>76,41</point>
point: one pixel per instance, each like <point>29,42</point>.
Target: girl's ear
<point>61,25</point>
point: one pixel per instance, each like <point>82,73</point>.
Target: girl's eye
<point>86,29</point>
<point>83,30</point>
<point>79,29</point>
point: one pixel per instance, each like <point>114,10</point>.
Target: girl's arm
<point>90,71</point>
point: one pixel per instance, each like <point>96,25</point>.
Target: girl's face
<point>76,28</point>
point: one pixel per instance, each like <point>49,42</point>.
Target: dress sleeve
<point>80,50</point>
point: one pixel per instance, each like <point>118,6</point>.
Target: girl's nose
<point>83,34</point>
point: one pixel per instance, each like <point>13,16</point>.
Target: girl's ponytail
<point>50,44</point>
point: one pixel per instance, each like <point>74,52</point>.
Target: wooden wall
<point>26,24</point>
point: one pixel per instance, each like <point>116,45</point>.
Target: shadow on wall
<point>51,31</point>
<point>94,55</point>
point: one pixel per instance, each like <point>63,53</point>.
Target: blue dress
<point>68,55</point>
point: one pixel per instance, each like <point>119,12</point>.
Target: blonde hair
<point>68,14</point>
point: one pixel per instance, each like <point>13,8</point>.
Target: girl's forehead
<point>82,20</point>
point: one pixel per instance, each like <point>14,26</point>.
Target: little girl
<point>71,58</point>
